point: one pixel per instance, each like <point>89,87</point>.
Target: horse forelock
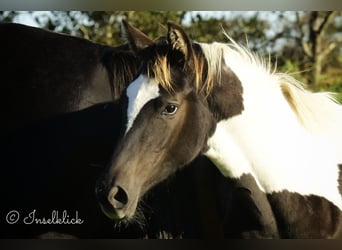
<point>159,70</point>
<point>203,69</point>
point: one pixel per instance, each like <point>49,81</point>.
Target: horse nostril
<point>118,197</point>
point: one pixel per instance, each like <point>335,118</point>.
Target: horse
<point>60,123</point>
<point>52,87</point>
<point>52,74</point>
<point>225,102</point>
<point>53,165</point>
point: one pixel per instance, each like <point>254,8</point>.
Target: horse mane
<point>283,106</point>
<point>216,52</point>
<point>307,105</point>
<point>160,71</point>
<point>121,65</point>
<point>209,62</point>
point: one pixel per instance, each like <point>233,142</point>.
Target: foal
<point>223,101</point>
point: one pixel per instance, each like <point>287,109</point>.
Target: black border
<point>172,244</point>
<point>171,5</point>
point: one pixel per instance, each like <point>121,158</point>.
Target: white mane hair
<point>287,137</point>
<point>319,113</point>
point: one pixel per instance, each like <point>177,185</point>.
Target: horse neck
<point>268,141</point>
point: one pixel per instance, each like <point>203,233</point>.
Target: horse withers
<point>223,101</point>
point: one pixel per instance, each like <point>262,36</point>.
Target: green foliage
<point>291,66</point>
<point>241,28</point>
<point>332,84</point>
<point>104,27</point>
<point>330,81</point>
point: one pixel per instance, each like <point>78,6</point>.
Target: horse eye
<point>170,109</point>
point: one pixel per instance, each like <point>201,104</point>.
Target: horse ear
<point>179,40</point>
<point>136,39</point>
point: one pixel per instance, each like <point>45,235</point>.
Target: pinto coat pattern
<point>60,123</point>
<point>223,101</point>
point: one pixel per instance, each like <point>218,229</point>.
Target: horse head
<point>171,110</point>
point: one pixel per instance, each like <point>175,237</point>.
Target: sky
<point>28,18</point>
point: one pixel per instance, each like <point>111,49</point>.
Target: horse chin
<point>126,214</point>
<point>113,214</point>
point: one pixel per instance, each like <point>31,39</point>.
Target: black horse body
<point>59,127</point>
<point>45,74</point>
<point>48,139</point>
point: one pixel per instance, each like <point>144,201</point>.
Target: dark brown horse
<point>56,104</point>
<point>45,74</point>
<point>221,101</point>
<point>59,127</point>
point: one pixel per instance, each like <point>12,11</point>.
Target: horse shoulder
<point>301,216</point>
<point>252,214</point>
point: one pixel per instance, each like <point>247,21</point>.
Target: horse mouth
<point>113,214</point>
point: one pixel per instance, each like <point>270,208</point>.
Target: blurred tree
<point>306,42</point>
<point>318,40</point>
<point>105,26</point>
<point>7,16</point>
<point>100,26</point>
<point>241,28</point>
<point>312,42</point>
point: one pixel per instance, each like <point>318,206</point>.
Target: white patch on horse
<point>227,156</point>
<point>268,141</point>
<point>139,92</point>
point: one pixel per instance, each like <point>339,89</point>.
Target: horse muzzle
<point>115,202</point>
